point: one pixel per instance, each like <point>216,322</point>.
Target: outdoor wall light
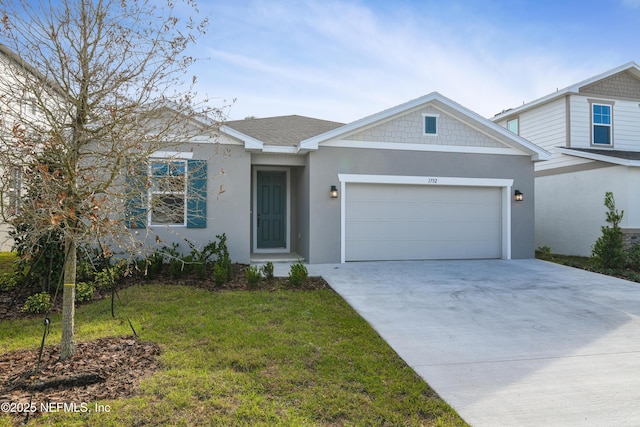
<point>518,196</point>
<point>333,192</point>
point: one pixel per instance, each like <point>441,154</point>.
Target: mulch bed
<point>103,369</point>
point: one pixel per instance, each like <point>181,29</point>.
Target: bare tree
<point>92,89</point>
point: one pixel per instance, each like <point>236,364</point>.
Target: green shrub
<point>224,260</point>
<point>85,271</point>
<point>154,264</point>
<point>543,252</point>
<point>37,303</point>
<point>267,270</point>
<point>7,281</point>
<point>40,261</point>
<point>199,268</point>
<point>253,275</point>
<point>84,291</point>
<point>608,251</point>
<point>633,257</point>
<point>298,274</point>
<point>220,274</point>
<point>103,280</point>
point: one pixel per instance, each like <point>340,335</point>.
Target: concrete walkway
<point>507,343</point>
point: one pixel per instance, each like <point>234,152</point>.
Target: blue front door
<point>271,209</point>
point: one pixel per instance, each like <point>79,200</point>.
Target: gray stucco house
<point>428,179</point>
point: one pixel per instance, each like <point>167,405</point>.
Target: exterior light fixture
<point>333,192</point>
<point>518,196</point>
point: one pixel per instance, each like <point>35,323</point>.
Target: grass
<point>630,272</point>
<point>248,358</point>
<point>7,260</point>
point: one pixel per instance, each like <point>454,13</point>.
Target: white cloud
<point>343,60</point>
<point>634,4</point>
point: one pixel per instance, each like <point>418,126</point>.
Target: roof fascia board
<point>374,145</point>
<point>250,143</point>
<point>509,138</point>
<point>599,157</point>
<point>279,149</point>
<point>312,143</point>
<point>572,89</point>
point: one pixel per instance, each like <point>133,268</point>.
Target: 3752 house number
<point>432,181</point>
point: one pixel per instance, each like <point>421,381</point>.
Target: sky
<point>343,60</point>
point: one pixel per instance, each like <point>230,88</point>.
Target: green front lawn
<point>248,358</point>
<point>7,261</point>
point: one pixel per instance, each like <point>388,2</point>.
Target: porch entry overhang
<point>271,222</point>
<point>389,217</point>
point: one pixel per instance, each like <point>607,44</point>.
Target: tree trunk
<point>67,346</point>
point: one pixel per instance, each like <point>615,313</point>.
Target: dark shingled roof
<point>284,130</point>
<point>618,154</point>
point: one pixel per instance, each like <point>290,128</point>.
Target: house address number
<point>432,181</point>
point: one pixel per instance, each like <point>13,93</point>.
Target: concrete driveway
<point>507,343</point>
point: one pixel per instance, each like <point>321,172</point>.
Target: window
<point>430,124</point>
<point>601,121</point>
<point>168,192</point>
<point>512,125</point>
<point>15,187</point>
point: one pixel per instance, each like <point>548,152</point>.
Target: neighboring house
<point>428,179</point>
<point>15,103</point>
<point>592,129</point>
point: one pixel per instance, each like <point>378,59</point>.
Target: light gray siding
<point>409,129</point>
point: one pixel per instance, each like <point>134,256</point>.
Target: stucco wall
<point>229,169</point>
<point>570,208</point>
<point>328,162</point>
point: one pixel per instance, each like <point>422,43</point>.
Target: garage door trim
<point>504,184</point>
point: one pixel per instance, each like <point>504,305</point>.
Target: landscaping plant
<point>267,271</point>
<point>253,275</point>
<point>298,274</point>
<point>37,303</point>
<point>608,251</point>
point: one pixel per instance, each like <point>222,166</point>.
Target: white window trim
<point>151,192</point>
<point>609,104</point>
<point>505,185</point>
<point>171,155</point>
<point>424,128</point>
<point>517,122</point>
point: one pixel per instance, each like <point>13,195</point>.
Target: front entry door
<point>271,209</point>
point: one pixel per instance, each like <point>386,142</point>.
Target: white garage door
<point>404,222</point>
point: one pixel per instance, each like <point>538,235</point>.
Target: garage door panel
<point>394,222</point>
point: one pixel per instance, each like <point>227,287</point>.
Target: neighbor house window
<point>601,124</point>
<point>430,124</point>
<point>15,189</point>
<point>168,192</point>
<point>513,126</point>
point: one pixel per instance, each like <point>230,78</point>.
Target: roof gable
<point>620,85</point>
<point>409,129</point>
<point>622,81</point>
<point>380,126</point>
